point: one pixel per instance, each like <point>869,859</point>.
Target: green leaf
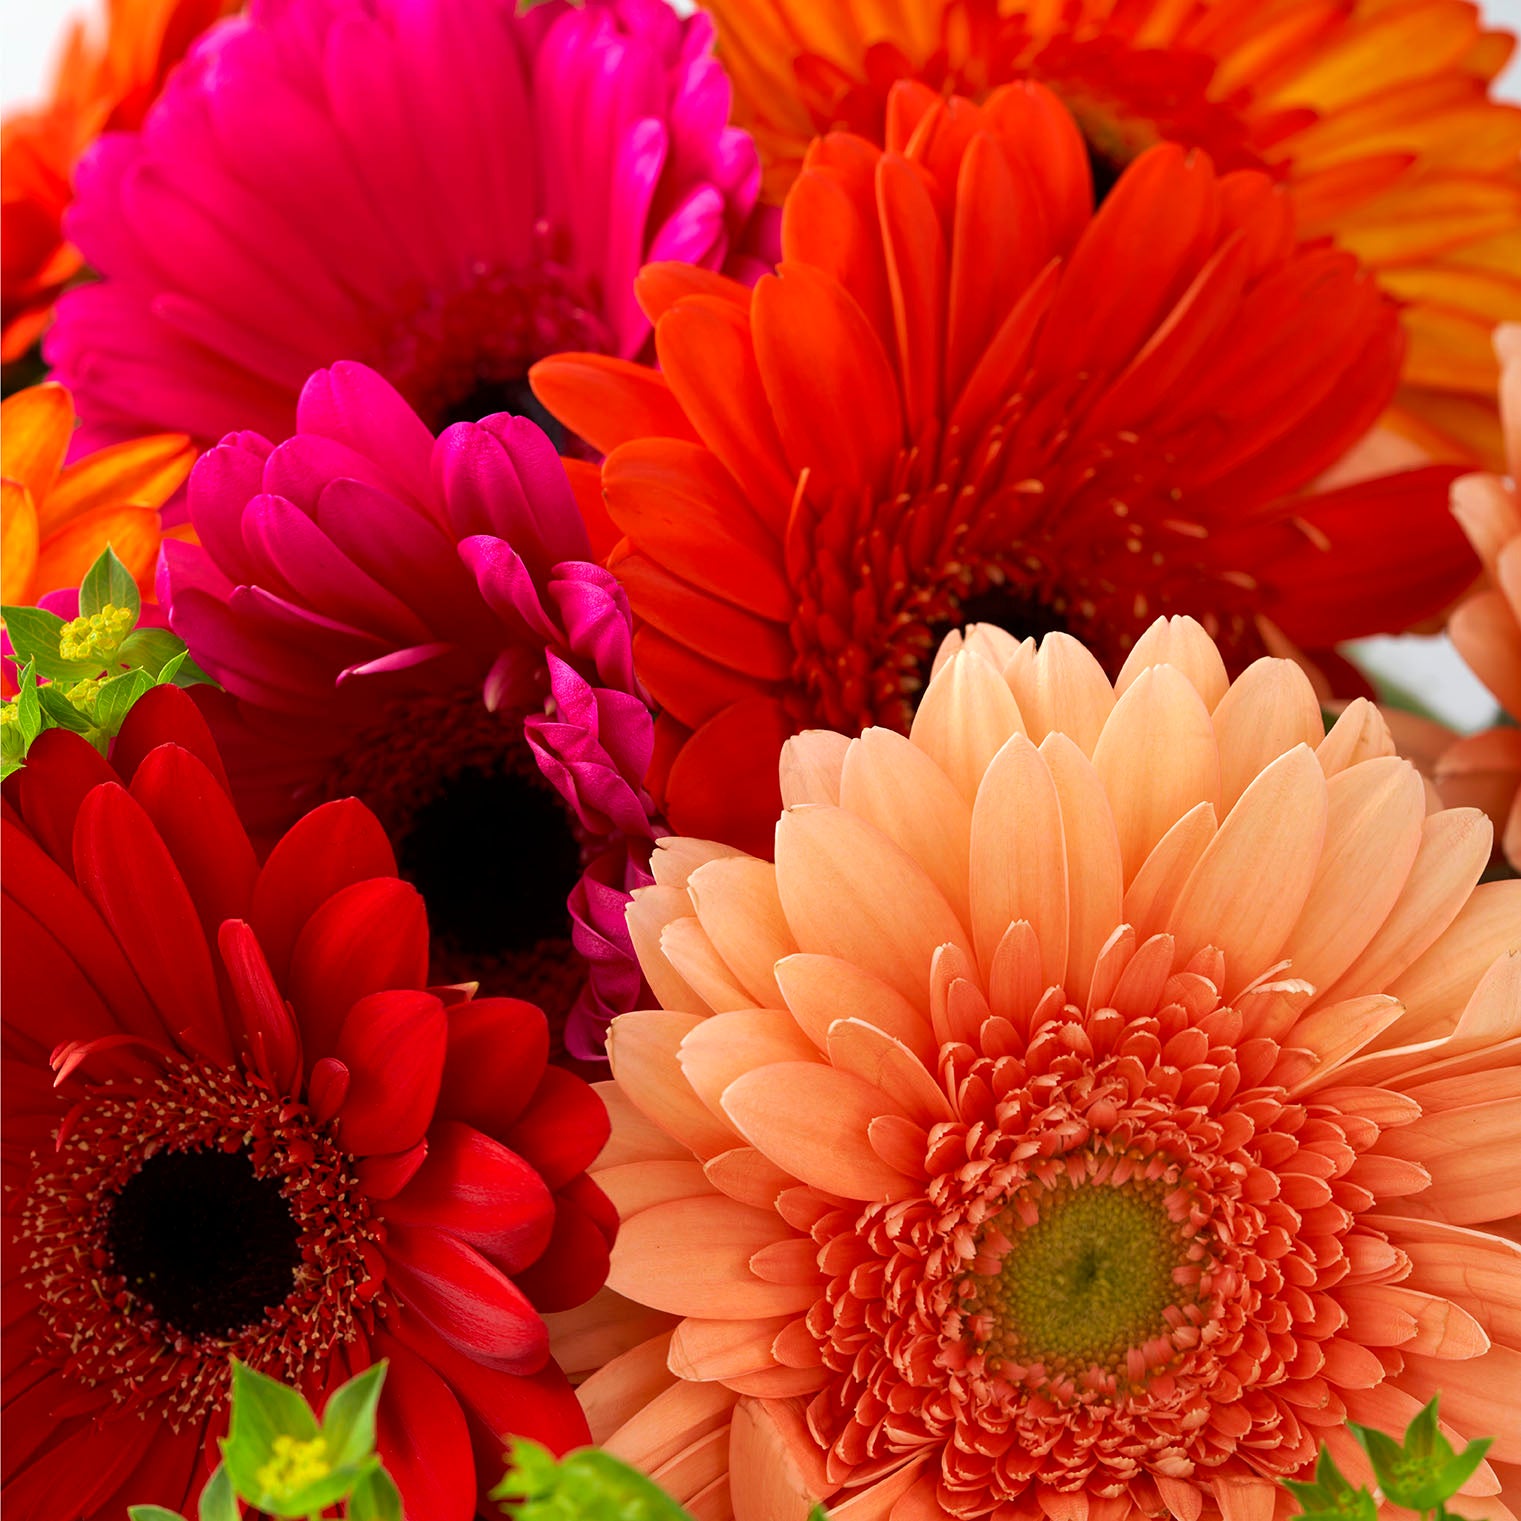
<point>152,1513</point>
<point>59,713</point>
<point>348,1420</point>
<point>218,1502</point>
<point>262,1409</point>
<point>588,1484</point>
<point>34,634</point>
<point>375,1498</point>
<point>28,706</point>
<point>150,648</point>
<point>108,583</point>
<point>1331,1497</point>
<point>116,698</point>
<point>1425,1471</point>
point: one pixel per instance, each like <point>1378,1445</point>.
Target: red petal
<point>563,1129</point>
<point>166,716</point>
<point>385,1177</point>
<point>271,1042</point>
<point>125,868</point>
<point>581,1190</point>
<point>367,938</point>
<point>480,1191</point>
<point>574,1264</point>
<point>498,1049</point>
<point>60,769</point>
<point>195,818</point>
<point>422,1439</point>
<point>723,783</point>
<point>393,1045</point>
<point>333,847</point>
<point>78,1470</point>
<point>474,1306</point>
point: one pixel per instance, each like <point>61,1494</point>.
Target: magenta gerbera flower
<point>447,192</point>
<point>418,623</point>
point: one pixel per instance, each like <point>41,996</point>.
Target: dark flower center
<point>489,397</point>
<point>205,1243</point>
<point>1106,171</point>
<point>494,856</point>
<point>1015,609</point>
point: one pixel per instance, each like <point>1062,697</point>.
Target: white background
<point>29,34</point>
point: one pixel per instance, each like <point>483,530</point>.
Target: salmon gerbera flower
<point>478,188</point>
<point>1486,628</point>
<point>1108,1093</point>
<point>238,1123</point>
<point>56,519</point>
<point>966,395</point>
<point>1378,120</point>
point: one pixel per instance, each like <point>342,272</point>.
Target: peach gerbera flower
<point>105,83</point>
<point>1485,769</point>
<point>1107,1093</point>
<point>56,519</point>
<point>1376,116</point>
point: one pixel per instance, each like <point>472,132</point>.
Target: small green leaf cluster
<point>280,1459</point>
<point>1422,1473</point>
<point>585,1485</point>
<point>85,675</point>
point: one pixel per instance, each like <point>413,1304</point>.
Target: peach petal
<point>651,910</point>
<point>1462,1090</point>
<point>1453,853</point>
<point>1490,515</point>
<point>641,1185</point>
<point>723,1048</point>
<point>1484,629</point>
<point>795,1346</point>
<point>642,1048</point>
<point>1062,688</point>
<point>1374,815</point>
<point>1019,857</point>
<point>1110,966</point>
<point>712,1503</point>
<point>1473,1156</point>
<point>1244,1498</point>
<point>892,784</point>
<point>1272,835</point>
<point>811,1120</point>
<point>1480,1401</point>
<point>1095,875</point>
<point>1393,1315</point>
<point>692,1257</point>
<point>694,958</point>
<point>1478,1271</point>
<point>876,1500</point>
<point>795,1260</point>
<point>1270,708</point>
<point>1338,1031</point>
<point>848,891</point>
<point>773,1384</point>
<point>714,1349</point>
<point>1153,892</point>
<point>1015,982</point>
<point>810,767</point>
<point>633,1137</point>
<point>1438,986</point>
<point>1141,983</point>
<point>737,905</point>
<point>965,717</point>
<point>618,1391</point>
<point>888,1064</point>
<point>1157,758</point>
<point>744,1174</point>
<point>921,1503</point>
<point>675,858</point>
<point>1062,1505</point>
<point>900,1143</point>
<point>957,1007</point>
<point>821,989</point>
<point>671,1422</point>
<point>1183,1499</point>
<point>1359,734</point>
<point>996,645</point>
<point>702,1463</point>
<point>1181,643</point>
<point>776,1469</point>
<point>605,1327</point>
<point>1492,1015</point>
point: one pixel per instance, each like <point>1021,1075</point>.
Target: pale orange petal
<point>647,917</point>
<point>964,718</point>
<point>1153,894</point>
<point>692,956</point>
<point>1359,734</point>
<point>1270,708</point>
<point>776,1470</point>
<point>888,1064</point>
<point>822,989</point>
<point>723,1048</point>
<point>675,858</point>
<point>1062,687</point>
<point>622,1388</point>
<point>641,1185</point>
<point>594,1334</point>
<point>810,767</point>
<point>1181,643</point>
<point>714,1349</point>
<point>737,905</point>
<point>1474,1158</point>
<point>670,1423</point>
<point>744,1174</point>
<point>1480,1401</point>
<point>634,1138</point>
<point>642,1048</point>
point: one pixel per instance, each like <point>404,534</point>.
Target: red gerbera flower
<point>967,395</point>
<point>238,1123</point>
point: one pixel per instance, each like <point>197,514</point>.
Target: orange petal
<point>649,914</point>
<point>619,1390</point>
<point>1153,895</point>
<point>885,1063</point>
<point>609,401</point>
<point>670,1423</point>
<point>642,1185</point>
<point>18,544</point>
<point>715,1349</point>
<point>36,425</point>
<point>592,1335</point>
<point>143,472</point>
<point>685,945</point>
<point>133,532</point>
<point>776,1468</point>
<point>811,765</point>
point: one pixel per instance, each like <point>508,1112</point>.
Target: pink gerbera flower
<point>417,623</point>
<point>476,190</point>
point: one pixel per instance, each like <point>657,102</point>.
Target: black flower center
<point>1105,168</point>
<point>1016,610</point>
<point>488,397</point>
<point>494,856</point>
<point>209,1246</point>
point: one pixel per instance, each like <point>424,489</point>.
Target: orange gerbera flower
<point>100,85</point>
<point>1108,1093</point>
<point>1374,114</point>
<point>56,519</point>
<point>966,395</point>
<point>1485,769</point>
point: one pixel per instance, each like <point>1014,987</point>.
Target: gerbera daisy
<point>238,1123</point>
<point>966,395</point>
<point>477,189</point>
<point>417,623</point>
<point>1108,1093</point>
<point>1486,768</point>
<point>55,520</point>
<point>101,84</point>
<point>1376,117</point>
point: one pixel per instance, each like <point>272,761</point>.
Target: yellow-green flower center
<point>1088,1280</point>
<point>293,1466</point>
<point>82,694</point>
<point>97,636</point>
